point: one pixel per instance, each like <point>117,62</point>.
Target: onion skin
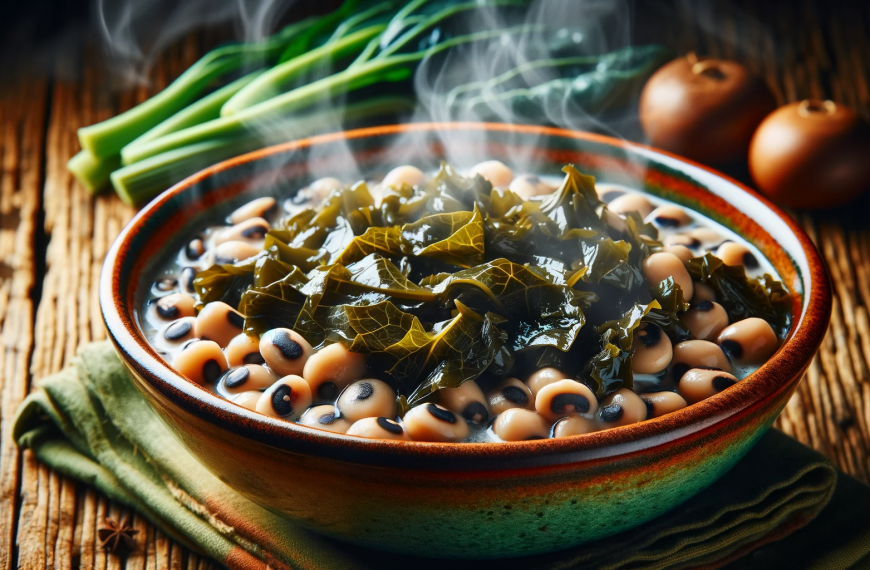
<point>811,154</point>
<point>704,110</point>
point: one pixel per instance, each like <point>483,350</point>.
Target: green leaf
<point>225,282</point>
<point>384,241</point>
<point>302,257</point>
<point>669,294</point>
<point>377,326</point>
<point>275,305</point>
<point>610,369</point>
<point>455,238</point>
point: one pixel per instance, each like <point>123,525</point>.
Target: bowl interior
<point>160,229</point>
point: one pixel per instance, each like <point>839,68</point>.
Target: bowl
<point>475,500</point>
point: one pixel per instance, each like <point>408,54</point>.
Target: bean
<point>705,320</point>
<point>174,306</point>
<point>496,172</point>
<point>431,422</point>
<point>518,424</point>
<point>219,322</point>
<point>244,349</point>
<point>631,202</point>
<point>697,354</point>
<point>681,251</point>
<point>201,361</point>
<point>234,251</point>
<point>737,254</point>
<point>706,236</point>
<point>750,341</point>
<point>329,370</point>
<point>565,398</point>
<point>467,401</point>
<point>703,292</point>
<point>659,266</point>
<point>699,384</point>
<point>544,377</point>
<point>247,400</point>
<point>325,417</point>
<point>188,274</point>
<point>251,231</point>
<point>367,398</point>
<point>573,425</point>
<point>165,284</point>
<point>180,331</point>
<point>660,403</point>
<point>320,189</point>
<point>681,239</point>
<point>621,408</point>
<point>194,249</point>
<point>669,217</point>
<point>510,394</point>
<point>254,209</point>
<point>528,186</point>
<point>285,351</point>
<point>286,398</point>
<point>651,350</point>
<point>246,378</point>
<point>406,174</point>
<point>608,192</point>
<point>378,428</point>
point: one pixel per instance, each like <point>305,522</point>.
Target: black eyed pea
<point>180,331</point>
<point>651,350</point>
<point>681,251</point>
<point>325,417</point>
<point>174,306</point>
<point>661,403</point>
<point>682,239</point>
<point>703,292</point>
<point>247,400</point>
<point>573,425</point>
<point>244,349</point>
<point>565,398</point>
<point>544,377</point>
<point>705,320</point>
<point>254,209</point>
<point>750,341</point>
<point>467,400</point>
<point>699,384</point>
<point>250,231</point>
<point>669,217</point>
<point>329,370</point>
<point>378,428</point>
<point>733,253</point>
<point>707,236</point>
<point>609,192</point>
<point>367,398</point>
<point>518,424</point>
<point>659,266</point>
<point>320,189</point>
<point>697,354</point>
<point>165,284</point>
<point>219,322</point>
<point>496,172</point>
<point>234,251</point>
<point>202,361</point>
<point>286,352</point>
<point>287,398</point>
<point>631,202</point>
<point>614,220</point>
<point>194,249</point>
<point>528,186</point>
<point>406,174</point>
<point>188,274</point>
<point>621,408</point>
<point>508,395</point>
<point>431,422</point>
<point>245,379</point>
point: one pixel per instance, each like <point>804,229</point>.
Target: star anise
<point>117,536</point>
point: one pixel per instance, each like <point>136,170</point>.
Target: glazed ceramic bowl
<point>466,499</point>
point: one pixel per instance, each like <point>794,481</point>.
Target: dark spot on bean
<point>187,344</point>
<point>194,249</point>
<point>476,413</point>
<point>236,319</point>
<point>722,382</point>
<point>693,243</point>
<point>282,401</point>
<point>441,414</point>
<point>290,349</point>
<point>211,370</point>
<point>565,403</point>
<point>649,407</point>
<point>165,284</point>
<point>165,310</point>
<point>254,358</point>
<point>678,370</point>
<point>176,331</point>
<point>650,335</point>
<point>224,260</point>
<point>704,306</point>
<point>516,395</point>
<point>731,348</point>
<point>667,222</point>
<point>256,232</point>
<point>364,391</point>
<point>749,261</point>
<point>237,377</point>
<point>390,426</point>
<point>188,274</point>
<point>327,419</point>
<point>326,391</point>
<point>611,195</point>
<point>612,413</point>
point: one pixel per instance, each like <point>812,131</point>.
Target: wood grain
<point>54,235</point>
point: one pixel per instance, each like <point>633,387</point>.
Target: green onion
<point>92,172</point>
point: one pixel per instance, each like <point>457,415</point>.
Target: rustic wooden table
<point>53,236</point>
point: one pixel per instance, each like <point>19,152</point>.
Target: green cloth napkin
<point>89,422</point>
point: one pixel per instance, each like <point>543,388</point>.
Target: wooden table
<point>53,236</point>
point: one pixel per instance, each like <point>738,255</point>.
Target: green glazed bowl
<point>474,500</point>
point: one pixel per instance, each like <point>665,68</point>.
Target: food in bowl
<point>479,307</point>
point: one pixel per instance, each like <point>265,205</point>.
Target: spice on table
<point>117,537</point>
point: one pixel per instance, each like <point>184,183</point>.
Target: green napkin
<point>89,422</point>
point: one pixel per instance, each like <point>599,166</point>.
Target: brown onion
<point>704,110</point>
<point>811,154</point>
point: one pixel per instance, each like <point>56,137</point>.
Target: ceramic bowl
<point>464,500</point>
